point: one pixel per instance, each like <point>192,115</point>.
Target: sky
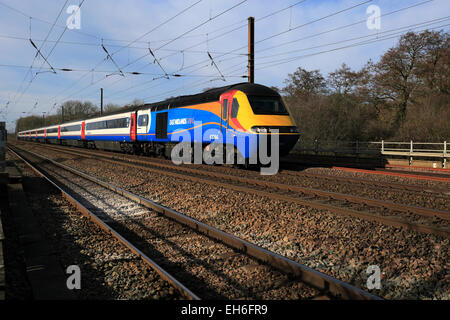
<point>154,49</point>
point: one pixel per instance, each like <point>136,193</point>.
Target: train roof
<point>176,102</point>
<point>211,95</point>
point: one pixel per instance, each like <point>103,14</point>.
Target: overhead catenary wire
<point>145,34</point>
<point>218,60</point>
<point>297,27</point>
<point>266,16</point>
<point>396,31</point>
<point>387,37</point>
<point>289,30</point>
<point>184,33</point>
<point>326,32</point>
<point>259,19</point>
<point>52,49</point>
<point>401,9</point>
<point>241,26</point>
<point>109,57</point>
<point>342,27</point>
<point>274,63</point>
<point>47,22</point>
<point>38,49</point>
<point>215,65</point>
<point>429,22</point>
<point>75,43</point>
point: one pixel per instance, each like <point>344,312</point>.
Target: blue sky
<point>295,40</point>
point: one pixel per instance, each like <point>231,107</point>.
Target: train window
<point>234,108</point>
<point>108,124</point>
<point>143,120</point>
<point>76,127</point>
<point>267,105</point>
<point>225,109</point>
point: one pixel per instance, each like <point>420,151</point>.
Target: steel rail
<point>321,281</point>
<point>87,213</point>
<point>386,220</point>
<point>349,180</point>
<point>365,169</point>
<point>389,172</point>
<point>426,212</point>
<point>373,183</point>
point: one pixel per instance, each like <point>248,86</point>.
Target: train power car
<point>237,116</point>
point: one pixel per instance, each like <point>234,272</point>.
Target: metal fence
<point>409,149</point>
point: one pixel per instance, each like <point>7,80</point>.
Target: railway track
<point>415,218</point>
<point>207,261</point>
<point>372,183</point>
<point>343,180</point>
<point>292,172</point>
<point>438,175</point>
<point>430,176</point>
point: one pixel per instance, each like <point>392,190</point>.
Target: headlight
<point>275,129</point>
<point>259,129</point>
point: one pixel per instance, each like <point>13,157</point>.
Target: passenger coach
<point>237,115</point>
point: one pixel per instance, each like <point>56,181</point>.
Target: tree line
<point>405,96</point>
<point>69,111</point>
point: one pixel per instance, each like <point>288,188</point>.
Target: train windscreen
<point>267,105</point>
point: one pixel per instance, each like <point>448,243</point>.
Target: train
<point>238,118</point>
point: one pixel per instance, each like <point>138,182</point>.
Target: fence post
<point>382,146</point>
<point>444,161</point>
<point>410,153</point>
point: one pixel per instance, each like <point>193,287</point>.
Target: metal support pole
<point>251,49</point>
<point>62,114</point>
<point>101,101</point>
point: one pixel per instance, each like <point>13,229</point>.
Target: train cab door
<point>133,126</point>
<point>45,134</point>
<point>225,104</point>
<point>143,123</point>
<point>59,132</point>
<point>83,130</point>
